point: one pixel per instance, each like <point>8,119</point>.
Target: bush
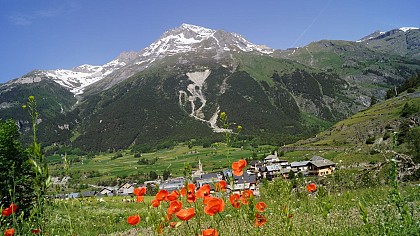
<point>15,169</point>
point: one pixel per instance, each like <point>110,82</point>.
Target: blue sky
<point>61,34</point>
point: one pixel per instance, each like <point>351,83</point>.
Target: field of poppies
<point>305,206</point>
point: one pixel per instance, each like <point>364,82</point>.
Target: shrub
<point>15,169</point>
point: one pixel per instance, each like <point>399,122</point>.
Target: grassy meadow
<point>337,208</point>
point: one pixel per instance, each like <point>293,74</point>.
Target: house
<point>125,189</point>
<point>270,159</point>
<point>107,191</point>
<point>173,184</point>
<point>245,182</point>
<point>300,166</point>
<point>320,166</point>
<point>210,178</point>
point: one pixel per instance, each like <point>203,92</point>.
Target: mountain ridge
<point>175,89</point>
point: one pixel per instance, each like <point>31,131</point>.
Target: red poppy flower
<point>213,205</point>
<point>311,187</point>
<point>133,220</point>
<point>191,198</point>
<point>161,195</point>
<point>185,214</point>
<point>221,186</point>
<point>246,194</point>
<point>10,210</point>
<point>260,206</point>
<point>36,231</point>
<point>210,232</point>
<point>235,200</point>
<point>189,190</point>
<point>238,166</point>
<point>173,196</point>
<point>139,191</point>
<point>204,191</point>
<point>174,207</point>
<point>9,232</point>
<point>140,198</point>
<point>155,203</point>
<point>259,220</point>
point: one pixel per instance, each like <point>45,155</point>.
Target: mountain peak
<point>193,38</point>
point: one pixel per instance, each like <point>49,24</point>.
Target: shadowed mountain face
<point>175,89</point>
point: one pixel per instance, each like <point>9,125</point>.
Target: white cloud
<point>20,19</point>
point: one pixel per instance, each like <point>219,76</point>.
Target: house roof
<point>317,158</point>
<point>210,176</point>
<point>246,178</point>
<point>271,157</point>
<point>88,193</point>
<point>299,163</point>
<point>323,163</point>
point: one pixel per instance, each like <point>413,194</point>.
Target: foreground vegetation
<point>337,208</point>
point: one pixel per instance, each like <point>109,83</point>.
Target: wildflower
<point>185,214</point>
<point>10,210</point>
<point>161,195</point>
<point>191,198</point>
<point>189,190</point>
<point>133,220</point>
<point>155,203</point>
<point>204,191</point>
<point>222,115</point>
<point>139,191</point>
<point>259,220</point>
<point>311,187</point>
<point>290,216</point>
<point>238,166</point>
<point>173,196</point>
<point>213,205</point>
<point>9,232</point>
<point>261,206</point>
<point>235,200</point>
<point>221,186</point>
<point>140,198</point>
<point>210,232</point>
<point>174,207</point>
<point>36,231</point>
<point>246,194</point>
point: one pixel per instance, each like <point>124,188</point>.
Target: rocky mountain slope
<point>175,88</point>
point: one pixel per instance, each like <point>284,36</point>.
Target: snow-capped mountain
<point>188,38</point>
<point>78,78</point>
<point>184,39</point>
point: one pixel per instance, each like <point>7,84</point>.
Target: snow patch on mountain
<point>405,29</point>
